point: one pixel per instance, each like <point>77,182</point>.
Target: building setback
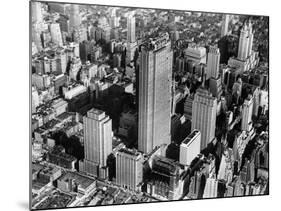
<point>204,115</point>
<point>97,143</point>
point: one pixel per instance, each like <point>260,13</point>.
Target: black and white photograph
<point>134,105</point>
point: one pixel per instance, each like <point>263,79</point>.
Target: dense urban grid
<point>135,105</point>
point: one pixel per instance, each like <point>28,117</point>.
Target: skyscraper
<point>213,62</point>
<point>224,25</point>
<point>245,42</point>
<point>190,147</point>
<point>97,142</point>
<point>131,37</point>
<point>211,188</point>
<point>56,34</point>
<point>36,11</point>
<point>204,109</point>
<point>129,169</point>
<point>213,71</point>
<point>74,18</point>
<point>247,111</point>
<point>155,81</point>
<point>131,26</point>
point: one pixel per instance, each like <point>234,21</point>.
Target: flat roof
<point>190,137</point>
<point>84,181</point>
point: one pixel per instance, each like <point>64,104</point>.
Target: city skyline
<point>133,105</point>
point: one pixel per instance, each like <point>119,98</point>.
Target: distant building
<point>204,116</point>
<point>196,54</point>
<point>129,169</point>
<point>131,27</point>
<point>56,34</point>
<point>131,37</point>
<point>73,92</point>
<point>188,107</point>
<point>245,42</point>
<point>75,19</point>
<point>224,25</point>
<point>215,86</point>
<point>213,62</point>
<point>247,111</point>
<point>36,10</point>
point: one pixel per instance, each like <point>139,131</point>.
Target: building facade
<point>129,169</point>
<point>204,116</point>
<point>97,142</point>
<point>155,81</point>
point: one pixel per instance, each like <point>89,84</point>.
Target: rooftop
<point>83,181</point>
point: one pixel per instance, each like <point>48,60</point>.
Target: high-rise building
<point>129,169</point>
<point>245,42</point>
<point>58,7</point>
<point>224,25</point>
<point>204,109</point>
<point>155,81</point>
<point>56,34</point>
<point>247,111</point>
<point>213,71</point>
<point>131,37</point>
<point>36,10</point>
<point>74,17</point>
<point>215,86</point>
<point>188,107</point>
<point>131,26</point>
<point>190,147</point>
<point>211,188</point>
<point>97,142</point>
<point>213,62</point>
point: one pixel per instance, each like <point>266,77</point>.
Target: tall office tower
<point>211,188</point>
<point>36,11</point>
<point>247,111</point>
<point>204,110</point>
<point>245,42</point>
<point>36,38</point>
<point>131,26</point>
<point>129,169</point>
<point>213,62</point>
<point>155,81</point>
<point>74,17</point>
<point>97,143</point>
<point>188,107</point>
<point>131,37</point>
<point>190,147</point>
<point>56,34</point>
<point>215,86</point>
<point>114,21</point>
<point>224,25</point>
